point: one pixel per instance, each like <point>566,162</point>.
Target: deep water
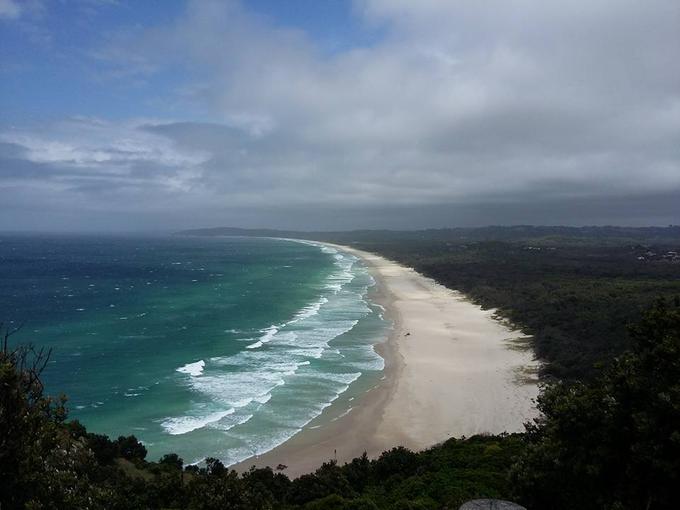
<point>220,347</point>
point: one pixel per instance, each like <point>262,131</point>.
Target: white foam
<point>258,374</point>
<point>365,358</point>
<point>263,399</point>
<point>184,424</point>
<point>255,345</point>
<point>343,414</point>
<point>308,311</point>
<point>231,422</point>
<point>269,333</point>
<point>193,369</point>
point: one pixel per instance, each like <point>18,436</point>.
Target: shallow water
<point>220,347</point>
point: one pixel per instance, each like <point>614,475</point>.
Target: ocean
<point>206,347</point>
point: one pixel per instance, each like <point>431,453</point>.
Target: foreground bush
<point>614,443</point>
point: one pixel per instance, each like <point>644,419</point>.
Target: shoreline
<point>451,370</point>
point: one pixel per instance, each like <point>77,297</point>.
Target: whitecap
<point>269,333</point>
<point>308,311</point>
<point>184,424</point>
<point>230,422</point>
<point>193,369</point>
<point>263,399</point>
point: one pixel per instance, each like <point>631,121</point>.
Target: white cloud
<point>84,142</point>
<point>455,92</point>
<point>100,156</point>
<point>461,102</point>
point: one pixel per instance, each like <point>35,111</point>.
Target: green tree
<point>613,443</point>
<point>40,465</point>
<point>172,460</point>
<point>131,449</point>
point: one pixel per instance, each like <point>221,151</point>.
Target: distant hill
<point>519,233</point>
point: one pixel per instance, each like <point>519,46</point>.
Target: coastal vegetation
<point>613,442</point>
<point>574,300</point>
<point>572,290</point>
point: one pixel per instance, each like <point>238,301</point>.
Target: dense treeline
<point>574,297</point>
<point>610,444</point>
<point>613,443</point>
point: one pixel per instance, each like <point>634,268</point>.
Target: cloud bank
<point>460,113</point>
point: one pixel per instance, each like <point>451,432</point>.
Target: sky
<point>121,115</point>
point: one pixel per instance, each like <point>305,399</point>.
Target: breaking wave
<point>285,378</point>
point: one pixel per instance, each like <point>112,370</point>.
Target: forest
<point>573,296</point>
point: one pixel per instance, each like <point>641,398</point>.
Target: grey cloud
<point>11,150</point>
<point>466,112</point>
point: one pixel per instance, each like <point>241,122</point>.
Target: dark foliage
<point>574,296</point>
<point>615,443</point>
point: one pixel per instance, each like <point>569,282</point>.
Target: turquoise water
<point>221,347</point>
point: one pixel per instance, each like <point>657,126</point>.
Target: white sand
<point>451,370</point>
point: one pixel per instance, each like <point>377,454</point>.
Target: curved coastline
<point>294,367</point>
<point>451,370</point>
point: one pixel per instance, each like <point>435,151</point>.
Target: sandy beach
<point>451,370</point>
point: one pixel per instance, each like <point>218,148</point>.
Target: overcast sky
<point>127,115</point>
